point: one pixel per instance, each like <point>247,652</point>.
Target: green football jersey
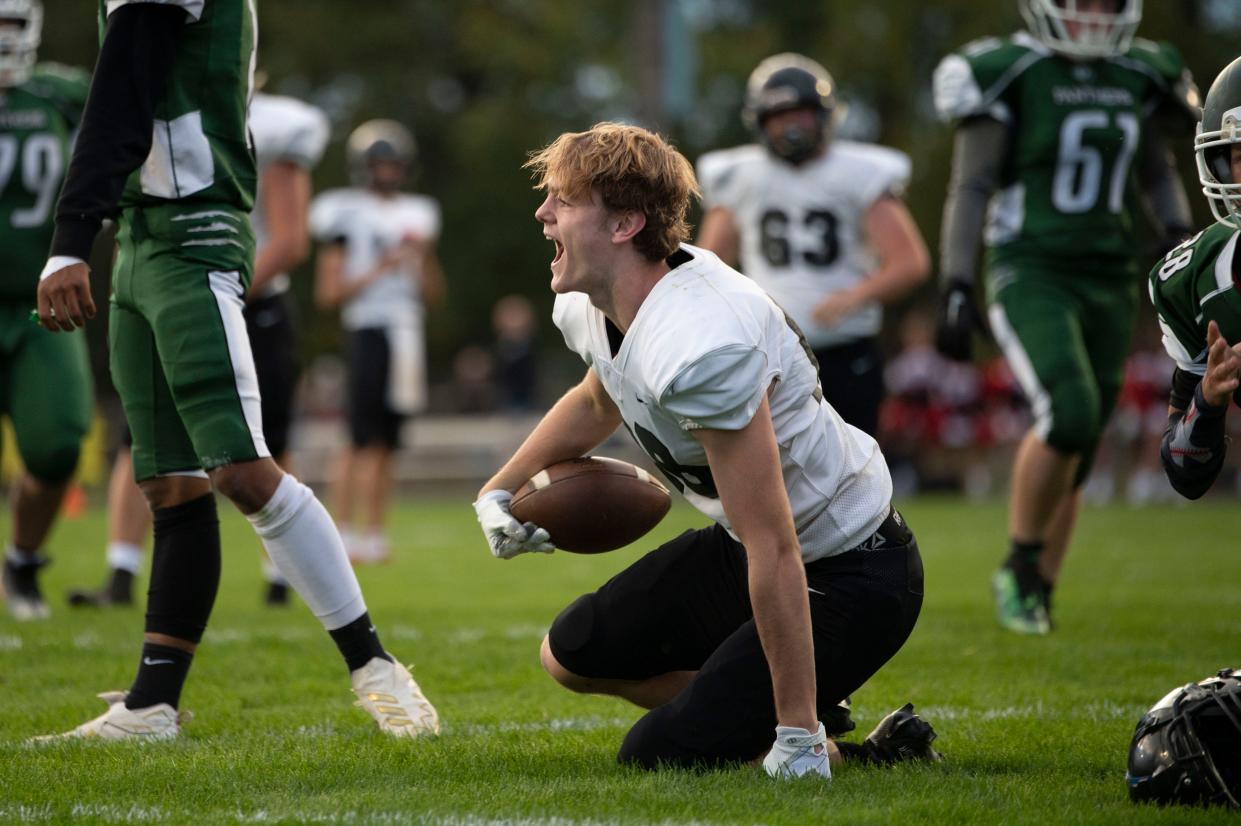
<point>37,120</point>
<point>1068,186</point>
<point>201,151</point>
<point>1194,284</point>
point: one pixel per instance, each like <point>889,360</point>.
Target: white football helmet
<point>1097,33</point>
<point>21,29</point>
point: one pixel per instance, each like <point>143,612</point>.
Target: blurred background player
<point>818,223</point>
<point>377,262</point>
<point>40,107</point>
<point>164,144</point>
<point>289,139</point>
<point>1196,290</point>
<point>1058,132</point>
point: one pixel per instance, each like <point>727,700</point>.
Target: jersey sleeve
<point>193,8</point>
<point>975,81</point>
<point>720,174</point>
<point>569,314</point>
<point>887,172</point>
<point>304,139</point>
<point>328,217</point>
<point>721,390</point>
<point>1174,97</point>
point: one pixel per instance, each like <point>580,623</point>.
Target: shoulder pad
<point>884,169</point>
<point>723,174</point>
<point>329,213</point>
<point>67,85</point>
<point>971,81</point>
<point>1176,93</point>
<point>286,129</point>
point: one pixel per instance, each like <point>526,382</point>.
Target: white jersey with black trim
<point>802,228</point>
<point>285,130</point>
<point>370,225</point>
<point>704,348</point>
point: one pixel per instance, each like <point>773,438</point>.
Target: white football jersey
<point>370,225</point>
<point>705,346</point>
<point>285,130</point>
<point>802,228</point>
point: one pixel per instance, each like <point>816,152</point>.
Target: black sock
<point>120,585</point>
<point>185,569</point>
<point>161,673</point>
<point>358,642</point>
<point>1023,561</point>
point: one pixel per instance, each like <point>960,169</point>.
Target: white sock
<point>272,574</point>
<point>302,540</point>
<point>125,556</point>
<point>19,556</point>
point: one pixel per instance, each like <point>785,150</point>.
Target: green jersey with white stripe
<point>201,153</point>
<point>1196,283</point>
<point>1067,188</point>
<point>37,120</point>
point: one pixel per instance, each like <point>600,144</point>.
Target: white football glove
<point>794,755</point>
<point>506,536</point>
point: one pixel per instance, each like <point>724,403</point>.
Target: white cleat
<point>389,694</point>
<point>157,722</point>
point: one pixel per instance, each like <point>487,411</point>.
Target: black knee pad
<point>185,569</point>
<point>570,635</point>
<point>643,747</point>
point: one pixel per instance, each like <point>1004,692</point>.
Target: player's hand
<point>958,318</point>
<point>65,301</point>
<point>506,536</point>
<point>835,307</point>
<point>1223,374</point>
<point>797,753</point>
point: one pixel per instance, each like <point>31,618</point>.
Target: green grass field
<point>1034,730</point>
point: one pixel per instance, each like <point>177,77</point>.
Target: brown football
<point>592,505</point>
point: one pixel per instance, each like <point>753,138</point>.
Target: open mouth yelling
<point>559,251</point>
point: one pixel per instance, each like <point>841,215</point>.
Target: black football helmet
<point>1187,748</point>
<point>376,141</point>
<point>791,81</point>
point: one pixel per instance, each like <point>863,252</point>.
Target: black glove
<point>958,318</point>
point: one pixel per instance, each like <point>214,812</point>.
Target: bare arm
<point>431,276</point>
<point>904,262</point>
<point>719,234</point>
<point>582,419</point>
<point>746,466</point>
<point>286,199</point>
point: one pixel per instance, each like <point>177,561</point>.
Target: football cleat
<point>21,590</point>
<point>1018,608</point>
<point>389,694</point>
<point>837,719</point>
<point>276,595</point>
<point>118,590</point>
<point>902,735</point>
<point>157,722</point>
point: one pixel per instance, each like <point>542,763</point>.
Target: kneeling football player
<point>1196,291</point>
<point>807,581</point>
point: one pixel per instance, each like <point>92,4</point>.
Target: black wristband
<point>1205,409</point>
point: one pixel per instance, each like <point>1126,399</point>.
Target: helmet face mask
<point>1187,748</point>
<point>21,31</point>
<point>787,82</point>
<point>1218,132</point>
<point>377,148</point>
<point>1071,28</point>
